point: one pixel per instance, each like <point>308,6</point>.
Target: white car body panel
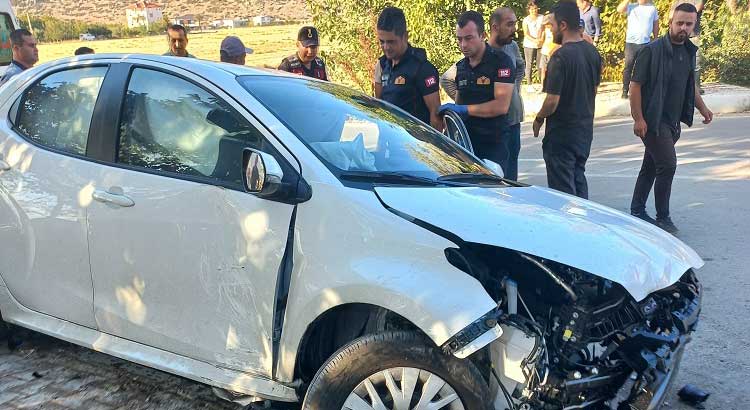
<point>142,354</point>
<point>350,249</point>
<point>552,225</point>
<point>190,268</point>
<point>44,257</point>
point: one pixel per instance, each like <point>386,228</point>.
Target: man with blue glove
<point>485,80</point>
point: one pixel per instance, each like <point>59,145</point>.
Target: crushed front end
<point>572,340</point>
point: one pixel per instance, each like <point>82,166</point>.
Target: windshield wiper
<point>472,176</point>
<point>388,177</point>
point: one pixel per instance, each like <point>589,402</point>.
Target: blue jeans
<point>511,138</point>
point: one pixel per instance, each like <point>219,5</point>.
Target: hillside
<point>113,11</point>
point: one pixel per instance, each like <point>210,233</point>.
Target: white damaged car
<point>291,240</point>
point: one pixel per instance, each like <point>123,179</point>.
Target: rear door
<point>45,192</point>
<point>183,259</point>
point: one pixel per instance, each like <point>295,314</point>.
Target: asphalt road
<point>710,205</point>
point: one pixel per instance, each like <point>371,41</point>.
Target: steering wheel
<point>456,130</point>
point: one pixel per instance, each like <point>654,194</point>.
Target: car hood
<point>555,226</point>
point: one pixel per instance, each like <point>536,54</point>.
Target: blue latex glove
<point>462,110</point>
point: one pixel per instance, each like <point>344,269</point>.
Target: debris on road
<point>693,395</point>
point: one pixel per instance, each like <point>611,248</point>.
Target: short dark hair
<point>498,14</point>
<point>686,7</point>
<point>177,27</point>
<point>83,50</point>
<point>567,11</point>
<point>17,36</point>
<point>531,4</point>
<point>392,19</point>
<point>469,16</point>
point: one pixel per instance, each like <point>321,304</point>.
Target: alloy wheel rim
<point>403,388</point>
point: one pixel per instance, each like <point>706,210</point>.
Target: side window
<point>172,125</point>
<point>6,50</point>
<point>56,111</point>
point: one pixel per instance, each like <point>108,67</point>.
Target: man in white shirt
<point>643,25</point>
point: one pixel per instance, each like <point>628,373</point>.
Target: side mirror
<point>263,174</point>
<point>495,167</point>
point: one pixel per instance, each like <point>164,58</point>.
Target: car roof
<point>189,64</point>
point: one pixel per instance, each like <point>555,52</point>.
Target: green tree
<point>350,28</point>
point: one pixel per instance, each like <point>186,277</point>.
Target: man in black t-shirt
<point>573,75</point>
<point>403,76</point>
<point>485,80</point>
<point>663,94</point>
<point>306,61</point>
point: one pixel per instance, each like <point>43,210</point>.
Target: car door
<point>45,182</point>
<point>183,258</point>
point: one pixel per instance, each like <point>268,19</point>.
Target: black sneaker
<point>624,95</point>
<point>644,216</point>
<point>667,225</point>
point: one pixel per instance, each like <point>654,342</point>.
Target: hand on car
<point>640,128</point>
<point>462,110</point>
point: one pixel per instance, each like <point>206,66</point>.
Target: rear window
<point>6,49</point>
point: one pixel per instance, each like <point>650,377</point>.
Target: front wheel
<point>396,371</point>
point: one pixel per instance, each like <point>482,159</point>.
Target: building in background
<point>262,20</point>
<point>143,14</point>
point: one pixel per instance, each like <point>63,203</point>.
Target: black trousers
<point>495,151</point>
<point>566,167</point>
<point>631,50</point>
<point>657,171</point>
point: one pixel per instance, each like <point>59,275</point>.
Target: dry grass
<point>271,44</point>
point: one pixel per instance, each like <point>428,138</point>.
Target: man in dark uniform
<point>485,79</point>
<point>306,61</point>
<point>403,76</point>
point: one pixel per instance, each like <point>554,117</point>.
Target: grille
<point>613,321</point>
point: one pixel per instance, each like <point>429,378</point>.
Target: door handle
<point>110,198</point>
<point>4,166</point>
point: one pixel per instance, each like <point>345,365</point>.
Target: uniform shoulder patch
<point>430,81</point>
<point>503,73</point>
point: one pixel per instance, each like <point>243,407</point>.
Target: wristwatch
<point>537,119</point>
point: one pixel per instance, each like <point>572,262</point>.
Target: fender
<point>375,257</point>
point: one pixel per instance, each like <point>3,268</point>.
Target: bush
<point>52,29</point>
<point>728,59</point>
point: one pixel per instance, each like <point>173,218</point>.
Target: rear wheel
<point>396,371</point>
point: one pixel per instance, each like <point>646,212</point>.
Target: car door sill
<point>203,372</point>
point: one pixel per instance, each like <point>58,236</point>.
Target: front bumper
<point>656,357</point>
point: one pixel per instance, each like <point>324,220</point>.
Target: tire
<point>4,329</point>
<point>348,368</point>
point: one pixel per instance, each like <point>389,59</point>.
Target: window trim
<point>14,112</point>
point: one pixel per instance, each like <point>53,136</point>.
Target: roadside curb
<point>720,98</point>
